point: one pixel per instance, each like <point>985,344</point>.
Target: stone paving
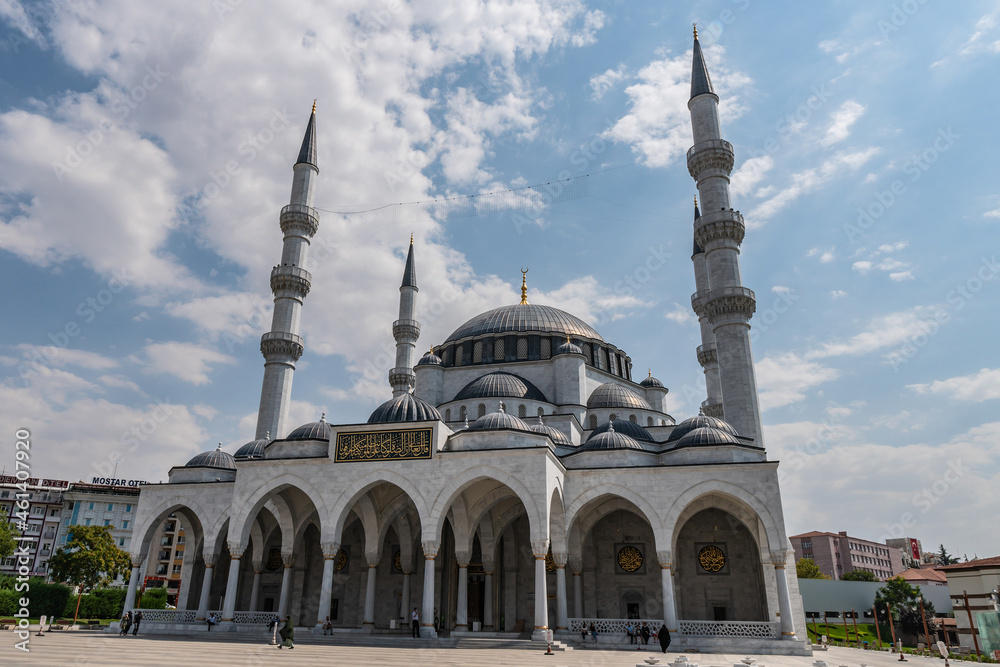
<point>85,649</point>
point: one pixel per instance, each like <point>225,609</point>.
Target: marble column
<point>562,606</point>
<point>667,584</point>
<point>206,585</point>
<point>404,601</point>
<point>258,569</point>
<point>370,595</point>
<point>330,550</point>
<point>288,560</point>
<point>462,605</point>
<point>232,582</point>
<point>427,615</point>
<point>540,549</point>
<point>779,558</point>
<point>133,581</point>
<point>488,596</point>
<point>576,565</point>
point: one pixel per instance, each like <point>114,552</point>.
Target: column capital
<point>236,549</point>
<point>560,558</point>
<point>430,548</point>
<point>209,558</point>
<point>137,559</point>
<point>779,558</point>
<point>540,548</point>
<point>288,558</point>
<point>258,566</point>
<point>463,558</point>
<point>373,557</point>
<point>330,549</point>
<point>665,558</point>
<point>576,564</point>
<point>489,566</point>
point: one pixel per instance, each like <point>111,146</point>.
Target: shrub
<point>99,603</point>
<point>43,599</point>
<point>153,598</point>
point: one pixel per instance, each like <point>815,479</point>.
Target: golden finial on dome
<point>524,287</point>
<point>695,30</point>
<point>696,200</point>
<point>411,238</point>
<point>314,106</point>
<point>650,372</point>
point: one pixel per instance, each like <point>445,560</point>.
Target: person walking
<point>645,634</point>
<point>664,636</point>
<point>415,622</point>
<point>136,620</point>
<point>126,622</point>
<point>287,634</point>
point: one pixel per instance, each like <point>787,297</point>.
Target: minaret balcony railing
<point>281,343</point>
<point>715,156</point>
<point>724,301</point>
<point>406,330</point>
<point>299,217</point>
<point>725,226</point>
<point>707,354</point>
<point>290,279</point>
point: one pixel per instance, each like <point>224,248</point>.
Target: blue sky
<point>135,267</point>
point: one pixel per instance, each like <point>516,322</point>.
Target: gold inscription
<point>384,445</point>
<point>712,558</point>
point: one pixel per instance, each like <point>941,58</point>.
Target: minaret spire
<point>290,283</point>
<point>524,287</point>
<point>723,305</point>
<point>406,330</point>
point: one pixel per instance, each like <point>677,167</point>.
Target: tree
<point>807,568</point>
<point>90,559</point>
<point>8,536</point>
<point>903,599</point>
<point>859,575</point>
<point>945,557</point>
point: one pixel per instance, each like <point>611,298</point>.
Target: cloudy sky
<point>146,149</point>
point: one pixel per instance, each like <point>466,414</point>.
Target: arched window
<point>593,422</point>
<point>447,415</point>
<point>546,348</point>
<point>614,363</point>
<point>522,411</point>
<point>498,351</point>
<point>522,348</point>
<point>541,411</point>
<point>477,352</point>
<point>461,413</point>
<point>632,419</point>
<point>481,410</point>
<point>586,353</point>
<point>612,417</point>
<point>649,421</point>
<point>663,422</point>
<point>459,354</point>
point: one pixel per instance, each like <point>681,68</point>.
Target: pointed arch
<point>595,496</point>
<point>342,506</point>
<point>458,484</point>
<point>196,515</point>
<point>251,504</point>
<point>724,492</point>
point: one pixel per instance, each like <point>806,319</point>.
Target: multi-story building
<point>974,587</point>
<point>39,530</point>
<point>166,558</point>
<point>836,554</point>
<point>912,550</point>
<point>100,505</point>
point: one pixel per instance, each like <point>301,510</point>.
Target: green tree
<point>807,568</point>
<point>153,598</point>
<point>945,557</point>
<point>8,536</point>
<point>903,599</point>
<point>90,559</point>
<point>859,575</point>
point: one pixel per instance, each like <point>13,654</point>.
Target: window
<point>161,569</point>
<point>649,421</point>
<point>633,419</point>
<point>461,413</point>
<point>614,363</point>
<point>38,510</point>
<point>447,415</point>
<point>459,354</point>
<point>121,542</point>
<point>522,411</point>
<point>5,494</point>
<point>111,507</point>
<point>46,548</point>
<point>477,352</point>
<point>107,522</point>
<point>166,540</point>
<point>176,569</point>
<point>128,508</point>
<point>541,411</point>
<point>53,512</point>
<point>498,351</point>
<point>481,410</point>
<point>613,417</point>
<point>180,539</point>
<point>522,348</point>
<point>86,522</point>
<point>546,348</point>
<point>593,422</point>
<point>124,525</point>
<point>91,506</point>
<point>70,504</point>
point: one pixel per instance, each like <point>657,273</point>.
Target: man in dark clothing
<point>664,636</point>
<point>645,634</point>
<point>136,620</point>
<point>415,623</point>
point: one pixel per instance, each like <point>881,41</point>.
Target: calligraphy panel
<point>384,445</point>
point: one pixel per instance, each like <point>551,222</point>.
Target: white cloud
<point>900,276</point>
<point>749,174</point>
<point>120,382</point>
<point>680,314</point>
<point>863,266</point>
<point>602,83</point>
<point>838,294</point>
<point>785,379</point>
<point>65,356</point>
<point>841,121</point>
<point>892,247</point>
<point>187,361</point>
<point>881,332</point>
<point>825,256</point>
<point>995,213</point>
<point>977,387</point>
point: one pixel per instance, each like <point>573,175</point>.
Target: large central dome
<point>523,318</point>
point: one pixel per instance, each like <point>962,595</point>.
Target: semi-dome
<point>312,431</point>
<point>568,347</point>
<point>404,408</point>
<point>498,421</point>
<point>705,436</point>
<point>500,385</point>
<point>651,381</point>
<point>213,459</point>
<point>610,440</point>
<point>614,395</point>
<point>700,421</point>
<point>625,427</point>
<point>523,318</point>
<point>557,436</point>
<point>252,450</point>
<point>429,359</point>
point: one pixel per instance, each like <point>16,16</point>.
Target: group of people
<point>636,635</point>
<point>287,632</point>
<point>131,620</point>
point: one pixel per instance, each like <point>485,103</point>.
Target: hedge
<point>99,603</point>
<point>43,599</point>
<point>153,598</point>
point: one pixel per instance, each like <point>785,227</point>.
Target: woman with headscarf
<point>664,636</point>
<point>287,634</point>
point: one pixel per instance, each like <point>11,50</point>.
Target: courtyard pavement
<point>80,649</point>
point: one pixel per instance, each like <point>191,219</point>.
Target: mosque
<point>519,479</point>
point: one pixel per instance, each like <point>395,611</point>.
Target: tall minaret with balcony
<point>406,330</point>
<point>726,303</point>
<point>707,357</point>
<point>282,346</point>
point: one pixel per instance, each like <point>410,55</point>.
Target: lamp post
<point>878,631</point>
<point>972,624</point>
<point>892,628</point>
<point>923,617</point>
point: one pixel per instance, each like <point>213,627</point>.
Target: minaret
<point>282,346</point>
<point>406,330</point>
<point>707,357</point>
<point>727,304</point>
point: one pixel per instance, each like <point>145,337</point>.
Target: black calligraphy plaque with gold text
<point>384,445</point>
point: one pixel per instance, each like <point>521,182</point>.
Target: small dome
<point>651,381</point>
<point>252,450</point>
<point>500,385</point>
<point>213,459</point>
<point>626,428</point>
<point>614,395</point>
<point>312,431</point>
<point>705,436</point>
<point>404,408</point>
<point>498,421</point>
<point>557,436</point>
<point>568,347</point>
<point>691,424</point>
<point>430,359</point>
<point>610,440</point>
